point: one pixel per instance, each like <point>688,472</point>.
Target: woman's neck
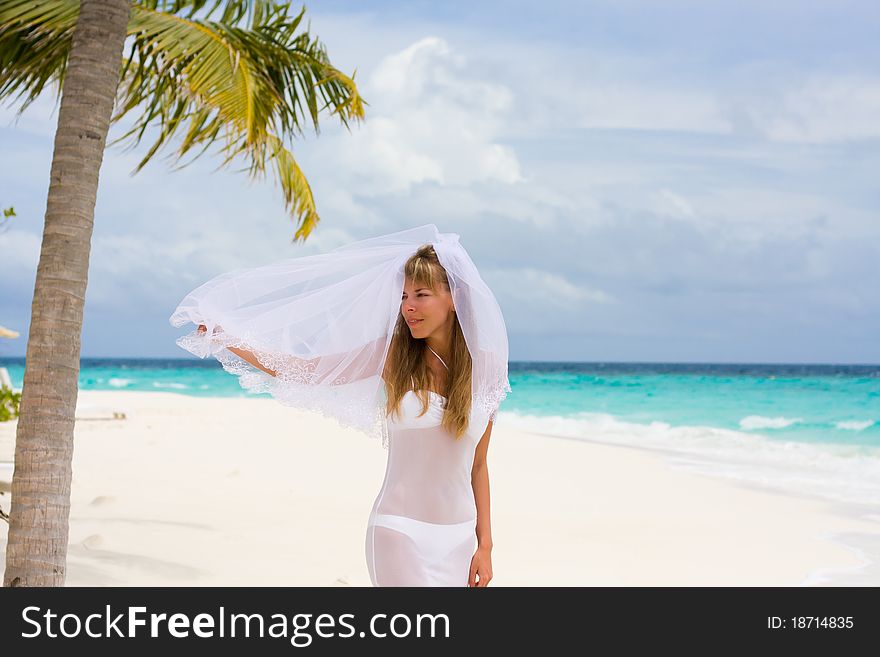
<point>440,350</point>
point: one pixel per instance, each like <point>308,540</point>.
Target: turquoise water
<point>814,405</point>
<point>812,429</point>
<point>810,403</point>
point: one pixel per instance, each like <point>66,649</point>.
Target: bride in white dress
<point>399,337</point>
<point>429,525</point>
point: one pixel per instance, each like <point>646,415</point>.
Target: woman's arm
<point>243,354</point>
<point>335,369</point>
<point>481,564</point>
<point>249,357</point>
<point>480,484</point>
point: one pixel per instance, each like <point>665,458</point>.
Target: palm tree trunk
<point>36,552</point>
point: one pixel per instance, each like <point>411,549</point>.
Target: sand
<point>188,491</point>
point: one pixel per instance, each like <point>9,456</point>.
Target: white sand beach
<point>188,491</point>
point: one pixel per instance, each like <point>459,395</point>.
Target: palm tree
<point>250,85</point>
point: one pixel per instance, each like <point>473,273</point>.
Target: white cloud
<point>633,105</point>
<point>562,88</point>
<point>542,286</point>
<point>676,204</point>
<point>431,120</point>
<point>827,108</point>
<point>542,300</point>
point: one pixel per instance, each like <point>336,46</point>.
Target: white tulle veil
<point>323,323</point>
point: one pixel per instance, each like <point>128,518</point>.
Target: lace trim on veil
<point>354,402</point>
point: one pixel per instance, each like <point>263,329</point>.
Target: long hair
<point>406,354</point>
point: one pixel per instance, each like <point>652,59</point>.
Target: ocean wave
<point>854,425</point>
<point>761,422</point>
<point>840,472</point>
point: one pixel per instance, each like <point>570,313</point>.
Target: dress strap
<point>438,356</point>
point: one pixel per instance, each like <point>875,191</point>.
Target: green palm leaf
<point>257,84</point>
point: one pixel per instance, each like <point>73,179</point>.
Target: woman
<point>430,523</point>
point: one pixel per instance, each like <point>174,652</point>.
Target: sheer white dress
<point>422,528</point>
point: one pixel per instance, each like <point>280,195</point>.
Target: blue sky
<point>636,181</point>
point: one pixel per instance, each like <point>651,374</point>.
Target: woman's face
<point>431,308</point>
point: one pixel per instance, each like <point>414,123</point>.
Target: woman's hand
<point>203,329</point>
<point>481,567</point>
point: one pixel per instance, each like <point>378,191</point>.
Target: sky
<point>635,181</point>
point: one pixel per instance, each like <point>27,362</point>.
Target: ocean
<point>813,430</point>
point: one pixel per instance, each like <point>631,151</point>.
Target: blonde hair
<point>406,362</point>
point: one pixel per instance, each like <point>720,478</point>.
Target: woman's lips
<point>414,322</point>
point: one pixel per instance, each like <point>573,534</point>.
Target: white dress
<point>422,528</point>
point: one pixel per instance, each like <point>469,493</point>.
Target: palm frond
<point>251,87</point>
<point>233,10</point>
<point>296,189</point>
<point>35,40</point>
